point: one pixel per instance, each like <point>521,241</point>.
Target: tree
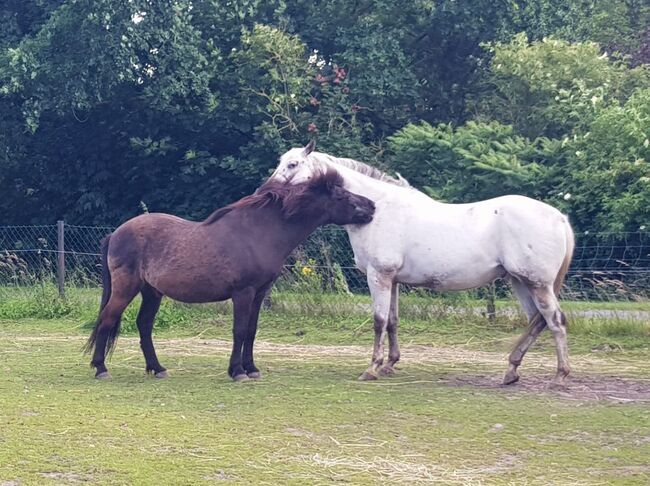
<point>474,161</point>
<point>552,87</point>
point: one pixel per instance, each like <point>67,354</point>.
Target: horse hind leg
<point>151,299</point>
<point>536,326</point>
<point>549,307</point>
<point>124,288</point>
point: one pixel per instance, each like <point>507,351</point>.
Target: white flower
<point>642,227</point>
<point>567,196</point>
<point>138,17</point>
<point>587,232</point>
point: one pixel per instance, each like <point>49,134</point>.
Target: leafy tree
<point>187,104</point>
<point>608,174</point>
<point>617,26</point>
<point>474,161</point>
<point>551,87</point>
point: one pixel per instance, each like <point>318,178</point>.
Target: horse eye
<point>292,165</point>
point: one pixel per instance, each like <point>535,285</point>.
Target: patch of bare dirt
<point>66,477</point>
<point>579,387</point>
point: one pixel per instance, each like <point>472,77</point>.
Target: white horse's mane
<point>360,167</point>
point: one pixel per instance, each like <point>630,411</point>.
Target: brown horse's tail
<point>106,295</point>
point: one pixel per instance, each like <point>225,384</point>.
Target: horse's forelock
<point>297,200</point>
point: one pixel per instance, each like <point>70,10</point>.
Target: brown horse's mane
<point>290,196</point>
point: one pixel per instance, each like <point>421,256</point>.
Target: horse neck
<point>285,235</point>
<point>362,185</point>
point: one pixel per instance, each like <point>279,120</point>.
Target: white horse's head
<point>296,165</point>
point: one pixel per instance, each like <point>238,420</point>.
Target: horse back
<point>145,241</point>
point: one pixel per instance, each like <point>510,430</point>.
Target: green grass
<point>308,421</point>
<point>337,319</point>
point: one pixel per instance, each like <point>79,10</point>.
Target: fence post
<point>60,261</point>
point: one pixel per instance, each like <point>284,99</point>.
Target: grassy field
<point>442,419</point>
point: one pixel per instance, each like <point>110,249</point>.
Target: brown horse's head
<point>324,198</point>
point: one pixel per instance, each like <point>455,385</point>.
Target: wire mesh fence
<point>320,275</point>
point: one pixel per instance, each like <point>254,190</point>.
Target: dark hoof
<point>367,376</point>
<point>510,378</point>
<point>254,375</point>
<point>242,377</point>
<point>161,375</point>
<point>387,371</point>
<point>104,375</point>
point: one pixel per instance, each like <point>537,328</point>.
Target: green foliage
<point>617,26</point>
<point>551,87</point>
<point>609,168</point>
<point>185,106</point>
<point>475,161</point>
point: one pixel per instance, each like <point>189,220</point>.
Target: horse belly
<point>194,290</point>
<point>191,280</point>
<point>458,270</point>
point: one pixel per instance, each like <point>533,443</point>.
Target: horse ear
<point>309,148</point>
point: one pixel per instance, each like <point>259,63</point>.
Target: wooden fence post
<point>60,261</point>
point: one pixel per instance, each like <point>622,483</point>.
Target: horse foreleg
<point>148,309</point>
<point>242,302</point>
<point>247,355</point>
<point>393,322</point>
<point>380,289</point>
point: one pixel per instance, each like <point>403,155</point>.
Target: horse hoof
<point>387,371</point>
<point>242,377</point>
<point>510,378</point>
<point>104,375</point>
<point>254,375</point>
<point>161,375</point>
<point>367,376</point>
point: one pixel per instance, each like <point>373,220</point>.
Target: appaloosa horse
<point>415,240</point>
<point>237,252</point>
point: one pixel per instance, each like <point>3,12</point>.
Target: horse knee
<point>381,323</point>
<point>557,322</point>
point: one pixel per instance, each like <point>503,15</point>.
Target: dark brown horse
<point>237,252</point>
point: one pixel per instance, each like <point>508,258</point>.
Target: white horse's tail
<point>570,245</point>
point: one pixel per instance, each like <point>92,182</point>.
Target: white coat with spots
<point>416,240</point>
